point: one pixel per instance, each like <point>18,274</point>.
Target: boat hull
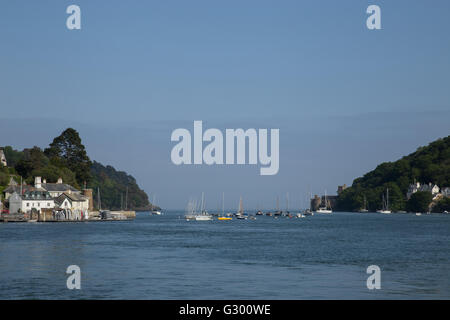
<point>324,211</point>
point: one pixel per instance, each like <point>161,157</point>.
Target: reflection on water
<point>164,257</point>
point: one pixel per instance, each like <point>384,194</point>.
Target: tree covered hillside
<point>66,157</point>
<point>427,164</point>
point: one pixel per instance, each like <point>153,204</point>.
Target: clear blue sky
<point>344,98</point>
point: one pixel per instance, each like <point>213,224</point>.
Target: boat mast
<point>387,199</point>
<point>99,200</point>
<point>203,203</point>
<point>126,200</point>
<point>241,209</point>
<point>223,203</point>
<point>287,201</point>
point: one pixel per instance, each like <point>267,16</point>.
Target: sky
<point>345,98</point>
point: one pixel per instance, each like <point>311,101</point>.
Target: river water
<point>166,257</point>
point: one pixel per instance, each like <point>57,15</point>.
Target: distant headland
<point>419,182</point>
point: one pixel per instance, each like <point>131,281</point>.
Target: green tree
<point>12,156</point>
<point>68,150</point>
<point>32,160</point>
<point>419,201</point>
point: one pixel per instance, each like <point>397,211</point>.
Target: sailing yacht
<point>154,211</point>
<point>193,215</point>
<point>324,209</point>
<point>364,209</point>
<point>240,213</point>
<point>204,215</point>
<point>385,208</point>
<point>278,211</point>
<point>223,217</point>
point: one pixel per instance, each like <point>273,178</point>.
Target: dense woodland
<point>66,157</point>
<point>427,164</point>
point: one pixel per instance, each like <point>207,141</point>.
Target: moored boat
<point>326,208</point>
<point>385,204</point>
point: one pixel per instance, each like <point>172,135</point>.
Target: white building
<point>430,187</point>
<point>55,189</point>
<point>37,200</point>
<point>72,201</point>
<point>446,192</point>
<point>2,158</point>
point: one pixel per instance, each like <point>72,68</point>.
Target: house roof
<point>58,187</point>
<point>12,189</point>
<point>36,195</point>
<point>73,197</point>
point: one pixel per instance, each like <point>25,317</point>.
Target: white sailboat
<point>308,212</point>
<point>364,209</point>
<point>192,214</point>
<point>240,213</point>
<point>223,217</point>
<point>155,211</point>
<point>385,208</point>
<point>204,215</point>
<point>325,209</point>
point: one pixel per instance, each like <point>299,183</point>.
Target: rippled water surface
<point>165,257</point>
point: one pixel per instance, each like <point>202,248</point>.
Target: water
<point>164,257</point>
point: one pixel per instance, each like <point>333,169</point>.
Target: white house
<point>30,200</point>
<point>445,192</point>
<point>55,189</point>
<point>2,158</point>
<point>73,201</point>
<point>432,188</point>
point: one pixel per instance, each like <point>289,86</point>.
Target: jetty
<point>55,216</point>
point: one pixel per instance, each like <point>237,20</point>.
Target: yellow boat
<point>224,218</point>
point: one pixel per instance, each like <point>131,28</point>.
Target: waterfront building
<point>430,187</point>
<point>55,189</point>
<point>30,200</point>
<point>23,198</point>
<point>72,201</point>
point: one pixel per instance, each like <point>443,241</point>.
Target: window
<point>48,204</point>
<point>39,204</point>
<point>28,204</point>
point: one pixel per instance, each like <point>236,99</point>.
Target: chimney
<point>59,180</point>
<point>37,182</point>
